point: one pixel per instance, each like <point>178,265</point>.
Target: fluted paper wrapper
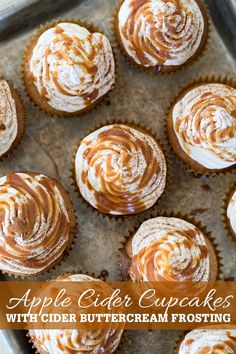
<point>28,51</point>
<point>190,165</point>
<point>146,213</point>
<point>162,69</point>
<point>125,260</point>
<point>224,206</point>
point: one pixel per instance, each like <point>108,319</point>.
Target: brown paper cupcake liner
<point>53,112</point>
<point>146,213</point>
<point>21,131</point>
<point>197,82</point>
<point>173,69</point>
<point>124,261</point>
<point>65,254</point>
<point>225,219</point>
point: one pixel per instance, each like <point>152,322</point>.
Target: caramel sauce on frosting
<point>209,341</point>
<point>78,341</point>
<point>34,221</point>
<point>169,249</point>
<point>8,118</point>
<point>120,170</point>
<point>160,32</point>
<point>231,212</point>
<point>205,125</point>
<point>72,67</point>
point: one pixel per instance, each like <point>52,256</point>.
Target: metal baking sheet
<point>49,143</point>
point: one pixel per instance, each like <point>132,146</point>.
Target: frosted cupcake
<point>202,127</point>
<point>229,211</point>
<point>76,341</point>
<point>37,223</point>
<point>169,249</point>
<point>217,340</point>
<point>12,118</point>
<point>120,170</point>
<point>68,68</point>
<point>161,36</point>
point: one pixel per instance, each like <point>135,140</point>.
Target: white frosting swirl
<point>120,170</point>
<point>72,67</point>
<point>231,212</point>
<point>160,32</point>
<point>204,122</point>
<point>209,341</point>
<point>75,340</point>
<point>169,249</point>
<point>8,118</point>
<point>35,223</point>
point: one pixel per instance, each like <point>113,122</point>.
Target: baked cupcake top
<point>120,170</point>
<point>169,249</point>
<point>209,341</point>
<point>160,32</point>
<point>204,121</point>
<point>231,211</point>
<point>35,222</point>
<point>77,341</point>
<point>8,118</point>
<point>72,67</point>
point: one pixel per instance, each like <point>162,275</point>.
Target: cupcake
<point>169,249</point>
<point>215,340</point>
<point>12,118</point>
<point>75,340</point>
<point>37,223</point>
<point>161,36</point>
<point>229,211</point>
<point>120,170</point>
<point>201,126</point>
<point>68,68</point>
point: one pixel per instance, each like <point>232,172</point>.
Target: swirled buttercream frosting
<point>8,118</point>
<point>169,249</point>
<point>231,211</point>
<point>209,341</point>
<point>160,32</point>
<point>77,341</point>
<point>72,67</point>
<point>35,224</point>
<point>120,170</point>
<point>204,121</point>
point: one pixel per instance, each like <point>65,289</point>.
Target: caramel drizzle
<point>116,183</point>
<point>155,262</point>
<point>157,44</point>
<point>202,128</point>
<point>227,346</point>
<point>26,245</point>
<point>73,53</point>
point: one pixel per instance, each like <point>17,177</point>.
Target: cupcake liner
<point>70,246</point>
<point>146,213</point>
<point>123,257</point>
<point>201,170</point>
<point>172,69</point>
<point>53,112</point>
<point>21,126</point>
<point>225,219</point>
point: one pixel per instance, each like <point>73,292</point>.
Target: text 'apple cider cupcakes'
<point>169,249</point>
<point>201,126</point>
<point>217,339</point>
<point>12,118</point>
<point>77,340</point>
<point>161,36</point>
<point>120,170</point>
<point>68,68</point>
<point>38,223</point>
